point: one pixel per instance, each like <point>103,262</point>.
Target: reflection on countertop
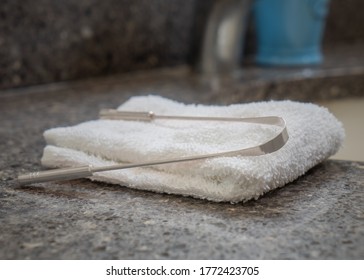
<point>350,112</point>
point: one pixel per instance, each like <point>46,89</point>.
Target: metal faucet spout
<point>222,45</point>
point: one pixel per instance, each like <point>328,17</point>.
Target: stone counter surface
<point>319,216</point>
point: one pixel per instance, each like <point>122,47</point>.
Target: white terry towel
<point>314,135</point>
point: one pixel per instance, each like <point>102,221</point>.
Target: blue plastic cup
<point>289,32</point>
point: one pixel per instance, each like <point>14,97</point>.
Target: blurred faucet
<point>222,45</point>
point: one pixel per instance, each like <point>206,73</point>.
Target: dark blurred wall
<point>44,41</point>
<point>51,40</point>
<point>345,22</point>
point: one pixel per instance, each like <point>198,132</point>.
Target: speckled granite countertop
<point>319,216</point>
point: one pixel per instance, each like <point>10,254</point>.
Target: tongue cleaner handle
<point>55,175</point>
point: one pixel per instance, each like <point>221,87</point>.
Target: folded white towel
<point>314,134</point>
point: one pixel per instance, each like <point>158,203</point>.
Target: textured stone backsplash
<point>49,40</point>
<point>45,41</point>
